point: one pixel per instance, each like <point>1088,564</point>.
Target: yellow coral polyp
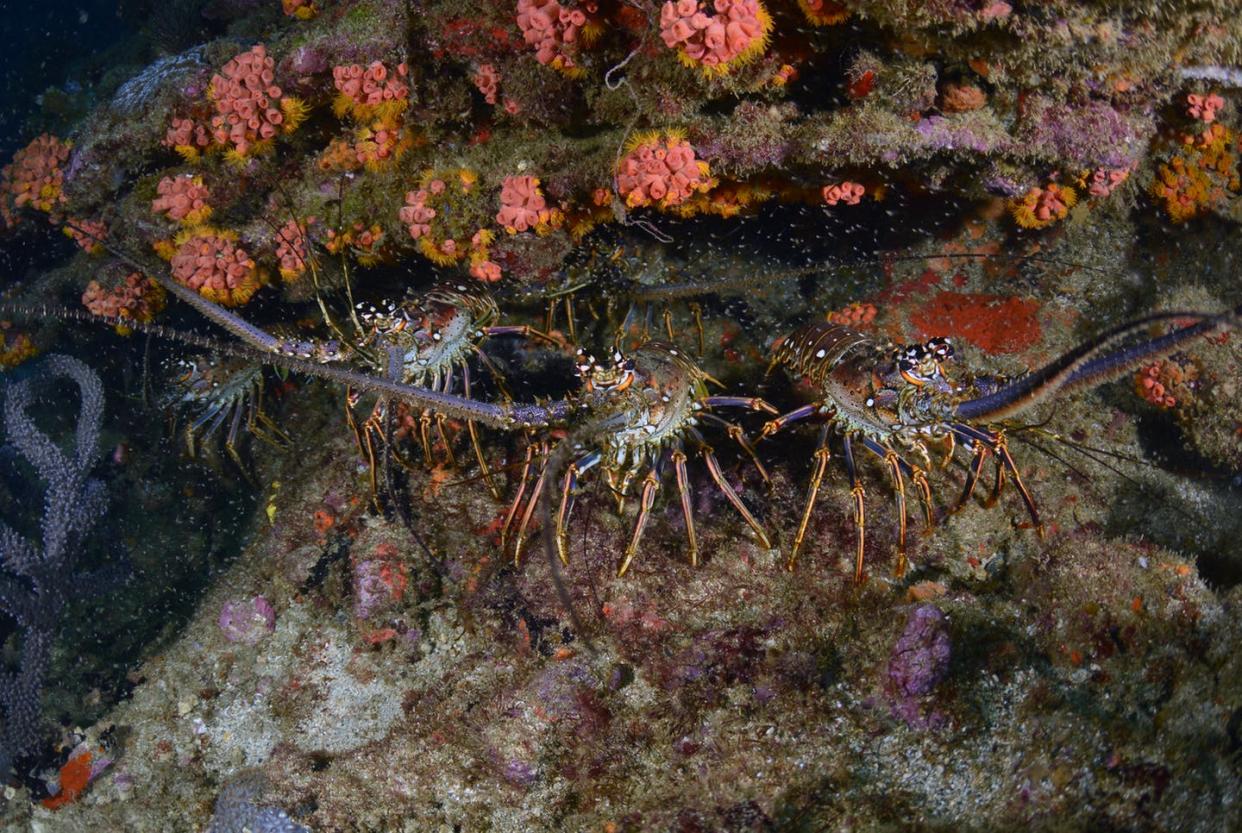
<point>823,12</point>
<point>1199,179</point>
<point>1042,207</point>
<point>432,251</point>
<point>15,348</point>
<point>189,153</point>
<point>239,159</point>
<point>295,111</point>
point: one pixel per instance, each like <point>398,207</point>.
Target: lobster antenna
<point>454,407</point>
<point>1083,366</point>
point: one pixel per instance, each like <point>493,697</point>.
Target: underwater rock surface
<point>271,227</point>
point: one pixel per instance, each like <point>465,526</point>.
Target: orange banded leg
<point>531,505</point>
<point>896,466</point>
<point>713,467</point>
<point>523,330</point>
<point>441,420</point>
<point>822,456</point>
<point>568,484</point>
<point>738,436</point>
<point>918,478</point>
<point>474,441</point>
<point>860,518</point>
<point>772,426</point>
<point>972,474</point>
<point>697,311</point>
<point>517,500</point>
<point>1002,451</point>
<point>424,433</point>
<point>683,491</point>
<point>651,484</point>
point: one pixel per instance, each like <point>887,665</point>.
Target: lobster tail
<point>1091,363</point>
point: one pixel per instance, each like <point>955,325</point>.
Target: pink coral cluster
<point>136,297</point>
<point>1041,207</point>
<point>365,90</point>
<point>487,79</point>
<point>416,214</point>
<point>736,33</point>
<point>1204,107</point>
<point>1166,383</point>
<point>182,199</point>
<point>250,108</point>
<point>34,178</point>
<point>661,170</point>
<point>855,315</point>
<point>1104,181</point>
<point>380,143</point>
<point>522,205</point>
<point>212,264</point>
<point>847,193</point>
<point>553,29</point>
<point>89,234</point>
<point>292,250</point>
<point>187,137</point>
<point>485,270</point>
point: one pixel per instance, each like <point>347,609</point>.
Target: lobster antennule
<point>1088,365</point>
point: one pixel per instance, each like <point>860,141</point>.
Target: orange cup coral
<point>35,177</point>
<point>661,170</point>
<point>847,193</point>
<point>183,199</point>
<point>210,262</point>
<point>136,297</point>
<point>718,43</point>
<point>1041,207</point>
<point>523,207</point>
<point>250,109</point>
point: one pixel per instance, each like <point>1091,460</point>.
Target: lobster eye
<point>628,364</point>
<point>940,348</point>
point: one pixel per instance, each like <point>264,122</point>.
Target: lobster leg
<point>822,455</point>
<point>899,488</point>
<point>1002,451</point>
<point>522,330</point>
<point>697,311</point>
<point>424,433</point>
<point>996,444</point>
<point>896,467</point>
<point>714,468</point>
<point>860,519</point>
<point>918,477</point>
<point>972,474</point>
<point>530,511</point>
<point>683,491</point>
<point>442,420</point>
<point>523,478</point>
<point>474,440</point>
<point>753,403</point>
<point>738,436</point>
<point>651,484</point>
<point>772,426</point>
<point>568,484</point>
